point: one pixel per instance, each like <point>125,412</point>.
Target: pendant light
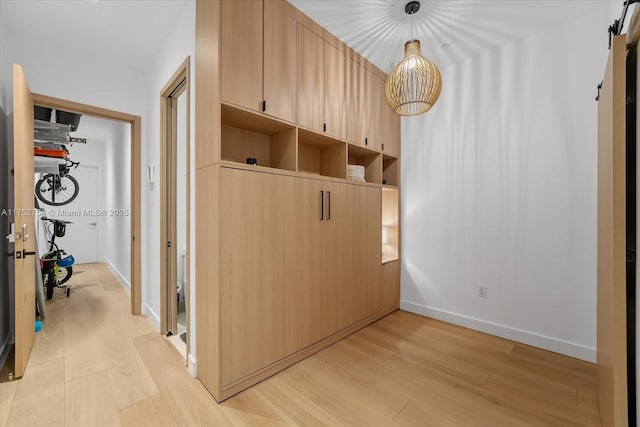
<point>413,86</point>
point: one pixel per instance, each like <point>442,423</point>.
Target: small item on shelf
<point>252,161</point>
<point>384,182</point>
<point>61,153</point>
<point>355,173</point>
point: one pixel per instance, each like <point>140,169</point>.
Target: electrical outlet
<point>482,291</point>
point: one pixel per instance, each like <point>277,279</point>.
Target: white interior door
<point>82,238</point>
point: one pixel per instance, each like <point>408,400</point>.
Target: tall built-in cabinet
<point>291,256</point>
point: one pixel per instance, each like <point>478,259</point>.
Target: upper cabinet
<point>389,127</point>
<point>311,80</point>
<point>322,85</point>
<point>363,106</point>
<point>335,88</point>
<point>241,51</point>
<point>259,56</point>
<point>280,60</point>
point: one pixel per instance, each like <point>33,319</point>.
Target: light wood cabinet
<point>322,85</point>
<point>311,79</point>
<point>280,60</point>
<point>259,56</point>
<point>335,87</point>
<point>300,261</point>
<point>241,53</point>
<point>288,251</point>
<point>352,259</point>
<point>363,106</point>
<point>389,126</point>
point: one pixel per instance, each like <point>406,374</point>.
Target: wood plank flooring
<point>94,364</point>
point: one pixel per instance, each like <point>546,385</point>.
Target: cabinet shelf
<point>370,159</point>
<point>249,135</point>
<point>321,155</point>
<point>390,170</point>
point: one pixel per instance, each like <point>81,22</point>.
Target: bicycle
<point>56,265</point>
<point>58,189</point>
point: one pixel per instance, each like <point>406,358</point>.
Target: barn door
<point>612,282</point>
<point>24,220</point>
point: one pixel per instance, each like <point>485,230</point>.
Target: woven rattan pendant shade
<point>413,86</point>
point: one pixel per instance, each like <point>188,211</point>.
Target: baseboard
<point>152,316</point>
<point>192,366</point>
<point>123,281</point>
<point>547,343</point>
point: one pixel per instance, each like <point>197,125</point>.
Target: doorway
<point>174,207</point>
<point>134,124</point>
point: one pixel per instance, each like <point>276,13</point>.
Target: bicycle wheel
<point>55,190</point>
<point>50,284</point>
<point>64,274</point>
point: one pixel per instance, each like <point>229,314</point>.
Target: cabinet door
<point>389,127</point>
<point>270,269</point>
<point>241,53</point>
<point>335,87</point>
<point>371,120</point>
<point>365,237</point>
<point>356,89</point>
<point>352,255</point>
<point>280,60</point>
<point>311,80</point>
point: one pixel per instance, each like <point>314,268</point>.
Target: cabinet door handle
<point>328,205</point>
<point>324,127</point>
<point>321,205</point>
<point>264,105</point>
<point>366,141</point>
<point>382,147</point>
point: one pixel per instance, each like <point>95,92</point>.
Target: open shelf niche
<point>321,155</point>
<point>390,170</point>
<point>390,229</point>
<point>371,160</point>
<point>247,135</point>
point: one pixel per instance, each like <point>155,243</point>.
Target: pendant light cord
<point>412,27</point>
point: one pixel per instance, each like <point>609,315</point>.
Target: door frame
<point>136,143</point>
<point>182,76</point>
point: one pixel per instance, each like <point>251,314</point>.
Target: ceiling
<point>130,31</point>
<point>133,30</point>
<point>378,29</point>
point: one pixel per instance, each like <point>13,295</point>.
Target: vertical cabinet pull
<point>328,205</point>
<point>321,205</point>
<point>366,141</point>
<point>264,105</point>
<point>324,127</point>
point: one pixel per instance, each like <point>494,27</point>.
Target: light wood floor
<point>94,364</point>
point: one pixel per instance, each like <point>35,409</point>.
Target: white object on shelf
<point>355,173</point>
<point>42,164</point>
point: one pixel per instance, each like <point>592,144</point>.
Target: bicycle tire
<point>64,274</point>
<point>50,285</point>
<point>57,198</point>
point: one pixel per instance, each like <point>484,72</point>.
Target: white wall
<point>115,245</point>
<point>179,44</point>
<point>500,191</point>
